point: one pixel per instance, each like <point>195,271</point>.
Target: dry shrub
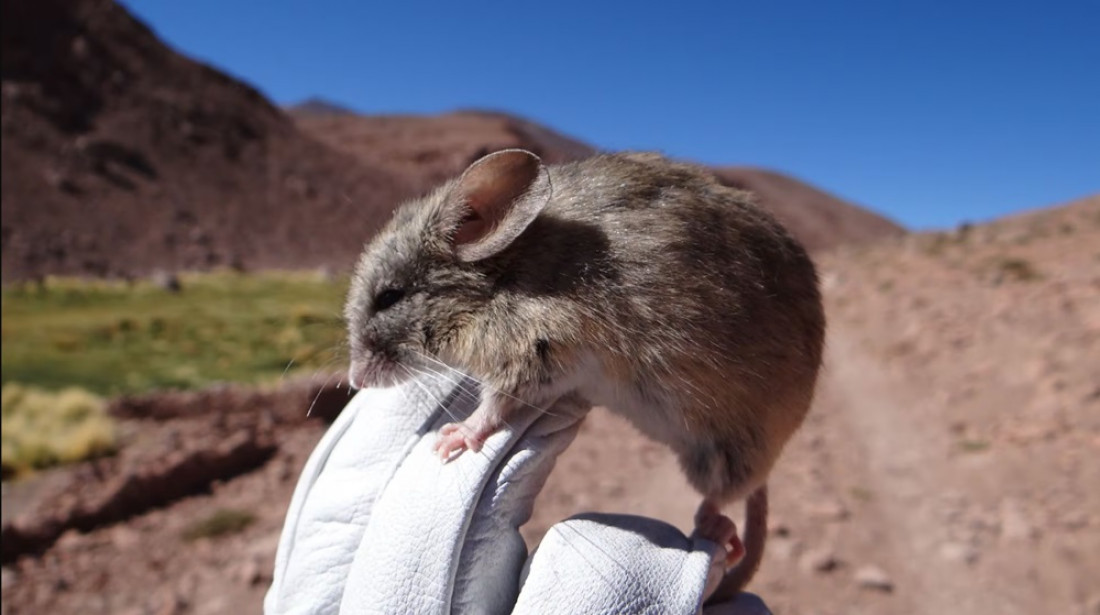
<point>44,428</point>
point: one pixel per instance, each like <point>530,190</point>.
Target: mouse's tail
<point>756,533</point>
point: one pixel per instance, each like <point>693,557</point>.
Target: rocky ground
<point>945,468</point>
<point>120,535</point>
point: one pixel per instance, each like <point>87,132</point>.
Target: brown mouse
<point>640,283</point>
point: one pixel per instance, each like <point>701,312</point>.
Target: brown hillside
<point>121,156</point>
<point>818,218</point>
<point>425,150</point>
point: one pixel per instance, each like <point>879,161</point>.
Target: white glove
<point>379,524</point>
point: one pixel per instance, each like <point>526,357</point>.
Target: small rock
<point>251,572</point>
<point>783,548</point>
<point>69,541</point>
<point>1014,525</point>
<point>958,552</point>
<point>263,548</point>
<point>8,577</point>
<point>124,537</point>
<point>830,510</point>
<point>170,603</point>
<point>874,578</point>
<point>818,560</point>
<point>780,529</point>
<point>188,584</point>
<point>1074,520</point>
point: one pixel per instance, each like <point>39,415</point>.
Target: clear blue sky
<point>931,112</point>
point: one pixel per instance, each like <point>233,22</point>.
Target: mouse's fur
<point>642,284</point>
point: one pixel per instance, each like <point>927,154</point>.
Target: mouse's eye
<point>387,298</point>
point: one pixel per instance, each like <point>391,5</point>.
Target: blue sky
<point>930,112</point>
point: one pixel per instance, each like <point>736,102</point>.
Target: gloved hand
<point>379,524</point>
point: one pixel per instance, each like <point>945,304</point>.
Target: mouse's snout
<point>356,374</point>
<point>363,368</point>
<point>370,369</point>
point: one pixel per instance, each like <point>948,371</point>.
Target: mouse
<point>637,282</point>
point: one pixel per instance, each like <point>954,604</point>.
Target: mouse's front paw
<point>454,438</point>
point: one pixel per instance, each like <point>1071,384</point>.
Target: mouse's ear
<point>501,193</point>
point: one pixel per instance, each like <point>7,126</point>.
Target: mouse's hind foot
<point>712,525</point>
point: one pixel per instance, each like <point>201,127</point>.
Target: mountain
<point>317,107</point>
<point>425,150</point>
<point>818,218</point>
<point>121,156</point>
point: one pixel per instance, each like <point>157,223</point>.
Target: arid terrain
<point>945,466</point>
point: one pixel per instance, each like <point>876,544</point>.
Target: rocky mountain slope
<point>120,156</point>
<point>425,150</point>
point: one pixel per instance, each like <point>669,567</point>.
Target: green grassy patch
<point>43,428</point>
<point>116,337</point>
<point>221,522</point>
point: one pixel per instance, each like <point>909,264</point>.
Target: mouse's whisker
<point>286,369</point>
<point>441,403</point>
<point>486,385</point>
<point>320,390</point>
<point>460,385</point>
<point>415,373</point>
<point>453,376</point>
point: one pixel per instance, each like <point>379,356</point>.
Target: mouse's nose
<point>357,372</point>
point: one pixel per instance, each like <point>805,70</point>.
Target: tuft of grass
<point>222,522</point>
<point>1016,269</point>
<point>113,337</point>
<point>862,494</point>
<point>936,244</point>
<point>42,428</point>
<point>973,446</point>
